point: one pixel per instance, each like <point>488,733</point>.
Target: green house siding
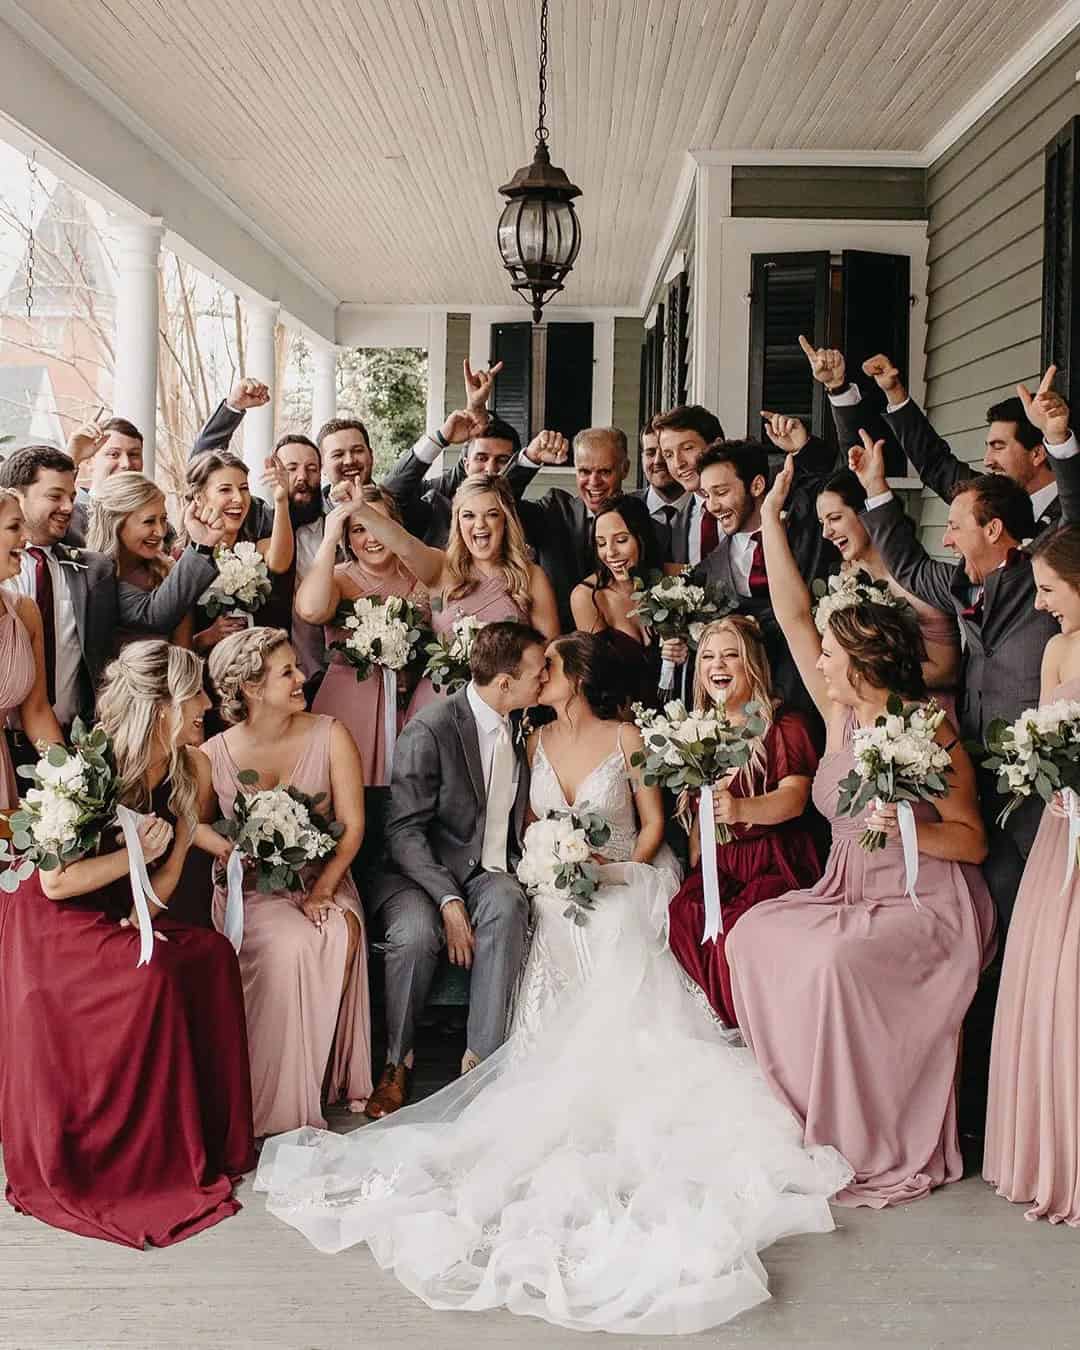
<point>811,192</point>
<point>984,299</point>
<point>457,349</point>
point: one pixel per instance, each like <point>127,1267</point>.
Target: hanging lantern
<point>539,234</point>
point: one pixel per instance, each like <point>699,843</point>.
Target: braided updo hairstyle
<point>241,659</point>
<point>884,646</point>
<point>149,681</point>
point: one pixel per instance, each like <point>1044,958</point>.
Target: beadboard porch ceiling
<point>367,138</point>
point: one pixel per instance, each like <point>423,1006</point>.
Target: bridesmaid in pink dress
<point>303,958</point>
<point>23,684</point>
<point>484,571</point>
<point>838,506</point>
<point>850,996</point>
<point>372,570</point>
<point>1032,1152</point>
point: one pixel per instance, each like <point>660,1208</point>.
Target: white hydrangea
<point>56,816</point>
<point>848,588</point>
<point>243,579</point>
<point>378,634</point>
<point>274,811</point>
<point>70,775</point>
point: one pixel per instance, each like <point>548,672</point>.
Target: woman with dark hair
<point>1032,1152</point>
<point>624,549</point>
<point>851,994</point>
<point>840,502</point>
<point>125,1100</point>
<point>593,1171</point>
<point>371,570</point>
<point>772,848</point>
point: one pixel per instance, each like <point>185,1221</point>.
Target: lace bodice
<point>605,791</point>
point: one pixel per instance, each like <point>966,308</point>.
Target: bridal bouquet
<point>384,633</point>
<point>242,584</point>
<point>278,831</point>
<point>897,760</point>
<point>448,655</point>
<point>845,589</point>
<point>685,750</point>
<point>674,607</point>
<point>61,818</point>
<point>557,859</point>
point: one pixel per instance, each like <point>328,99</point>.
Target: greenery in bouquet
<point>676,607</point>
<point>557,859</point>
<point>278,831</point>
<point>1038,754</point>
<point>242,583</point>
<point>448,655</point>
<point>386,633</point>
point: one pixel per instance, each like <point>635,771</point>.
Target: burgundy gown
<point>125,1094</point>
<point>760,863</point>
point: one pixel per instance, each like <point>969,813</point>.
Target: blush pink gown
<point>1032,1152</point>
<point>298,1022</point>
<point>852,1001</point>
<point>489,603</point>
<point>358,704</point>
<point>16,680</point>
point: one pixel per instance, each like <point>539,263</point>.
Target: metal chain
<point>541,129</point>
<point>31,164</point>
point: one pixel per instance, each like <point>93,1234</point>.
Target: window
<point>1060,311</point>
<point>859,303</point>
<point>546,383</point>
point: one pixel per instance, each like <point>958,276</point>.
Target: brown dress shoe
<point>391,1093</point>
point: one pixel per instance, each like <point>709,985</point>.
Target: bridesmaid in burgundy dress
<point>850,994</point>
<point>484,571</point>
<point>371,571</point>
<point>125,1098</point>
<point>1032,1152</point>
<point>772,849</point>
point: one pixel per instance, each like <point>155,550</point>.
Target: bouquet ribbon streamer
<point>233,925</point>
<point>141,890</point>
<point>1072,810</point>
<point>667,674</point>
<point>714,920</point>
<point>389,697</point>
<point>909,839</point>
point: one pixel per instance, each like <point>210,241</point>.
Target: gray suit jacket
<point>435,826</point>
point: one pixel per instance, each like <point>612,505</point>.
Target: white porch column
<point>323,384</point>
<point>135,369</point>
<point>260,364</point>
<point>712,206</point>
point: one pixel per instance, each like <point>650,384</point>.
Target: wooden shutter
<point>511,399</point>
<point>678,297</point>
<point>876,295</point>
<point>790,295</point>
<point>568,387</point>
<point>1060,309</point>
<point>652,368</point>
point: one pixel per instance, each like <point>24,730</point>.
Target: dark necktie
<point>974,611</point>
<point>43,594</point>
<point>668,512</point>
<point>759,578</point>
<point>710,533</point>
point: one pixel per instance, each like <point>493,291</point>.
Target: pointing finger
<point>808,347</point>
<point>1048,380</point>
<point>1024,395</point>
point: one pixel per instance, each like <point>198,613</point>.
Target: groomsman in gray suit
<point>458,795</point>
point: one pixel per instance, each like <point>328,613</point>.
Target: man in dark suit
<point>683,435</point>
<point>1014,447</point>
<point>454,830</point>
<point>991,590</point>
<point>661,494</point>
<point>82,604</point>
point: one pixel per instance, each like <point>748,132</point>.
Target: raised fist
<point>549,447</point>
<point>886,376</point>
<point>247,394</point>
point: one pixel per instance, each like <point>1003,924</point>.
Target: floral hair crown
<point>845,589</point>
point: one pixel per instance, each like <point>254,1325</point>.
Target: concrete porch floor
<point>959,1269</point>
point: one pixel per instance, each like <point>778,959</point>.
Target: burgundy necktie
<point>710,533</point>
<point>759,578</point>
<point>43,594</point>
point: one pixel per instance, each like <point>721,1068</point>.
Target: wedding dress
<point>617,1165</point>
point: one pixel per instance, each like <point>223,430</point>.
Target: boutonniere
<point>72,559</point>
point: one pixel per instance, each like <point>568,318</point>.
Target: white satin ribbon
<point>233,924</point>
<point>389,694</point>
<point>141,890</point>
<point>667,674</point>
<point>905,818</point>
<point>714,920</point>
<point>1072,810</point>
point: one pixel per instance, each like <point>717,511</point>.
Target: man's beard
<point>303,513</point>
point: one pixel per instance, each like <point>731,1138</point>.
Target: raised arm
<point>163,609</point>
<point>319,594</point>
<point>425,563</point>
<point>788,593</point>
<point>221,425</point>
<point>1048,411</point>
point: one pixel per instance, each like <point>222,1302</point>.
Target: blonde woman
<point>484,573</point>
<point>125,1104</point>
<point>23,678</point>
<point>129,524</point>
<point>370,570</point>
<point>303,958</point>
<point>217,481</point>
<point>764,805</point>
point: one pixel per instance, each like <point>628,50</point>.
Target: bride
<point>618,1164</point>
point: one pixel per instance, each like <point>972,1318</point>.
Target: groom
<point>457,808</point>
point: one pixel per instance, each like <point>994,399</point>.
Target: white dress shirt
<point>1041,499</point>
<point>742,560</point>
<point>658,507</point>
<point>697,512</point>
<point>68,647</point>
